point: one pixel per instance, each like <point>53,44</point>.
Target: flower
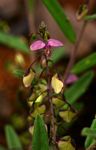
<point>27,79</point>
<point>71,79</point>
<point>56,84</point>
<point>39,44</point>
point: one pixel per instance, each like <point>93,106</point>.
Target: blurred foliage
<point>84,64</point>
<point>58,14</point>
<point>12,138</point>
<point>79,88</point>
<point>14,42</point>
<point>90,134</point>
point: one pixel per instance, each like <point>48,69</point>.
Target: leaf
<point>57,54</point>
<point>18,72</point>
<point>89,132</point>
<point>84,64</point>
<point>58,14</point>
<point>13,42</point>
<point>40,138</point>
<point>79,88</point>
<point>12,138</point>
<point>89,140</point>
<point>90,17</point>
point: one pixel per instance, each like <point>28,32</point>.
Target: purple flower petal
<point>37,45</point>
<point>54,43</point>
<point>71,79</point>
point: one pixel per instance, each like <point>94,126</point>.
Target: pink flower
<point>39,44</point>
<point>71,79</point>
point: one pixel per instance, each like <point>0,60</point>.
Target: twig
<point>74,52</point>
<point>29,8</point>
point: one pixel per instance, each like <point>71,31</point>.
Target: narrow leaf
<point>58,14</point>
<point>13,42</point>
<point>90,17</point>
<point>76,90</point>
<point>12,138</point>
<point>84,64</point>
<point>40,138</point>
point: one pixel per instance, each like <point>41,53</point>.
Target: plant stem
<point>53,132</point>
<point>74,52</point>
<point>29,8</point>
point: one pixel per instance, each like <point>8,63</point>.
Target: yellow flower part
<point>65,145</point>
<point>19,59</point>
<point>82,12</point>
<point>27,80</point>
<point>56,84</point>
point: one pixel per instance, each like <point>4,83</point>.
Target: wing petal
<point>37,45</point>
<point>54,43</point>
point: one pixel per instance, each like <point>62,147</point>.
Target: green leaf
<point>76,90</point>
<point>84,64</point>
<point>89,140</point>
<point>40,138</point>
<point>13,42</point>
<point>89,132</point>
<point>12,138</point>
<point>57,54</point>
<point>58,14</point>
<point>18,73</point>
<point>90,17</point>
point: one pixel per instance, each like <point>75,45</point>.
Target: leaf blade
<point>77,89</point>
<point>12,138</point>
<point>58,14</point>
<point>40,139</point>
<point>90,17</point>
<point>13,42</point>
<point>84,64</point>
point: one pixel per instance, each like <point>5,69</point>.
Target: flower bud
<point>56,84</point>
<point>31,130</point>
<point>19,59</point>
<point>27,79</point>
<point>30,103</point>
<point>82,12</point>
<point>43,62</point>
